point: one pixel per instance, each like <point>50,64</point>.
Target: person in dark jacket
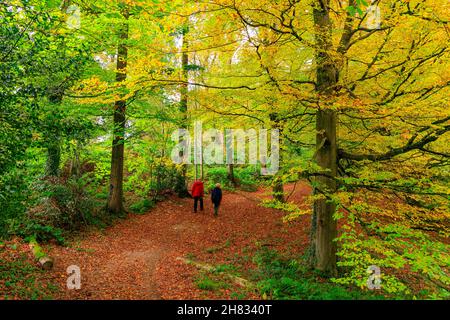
<point>216,198</point>
<point>197,194</point>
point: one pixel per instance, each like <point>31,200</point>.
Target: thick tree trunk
<point>324,227</point>
<point>115,202</point>
<point>76,164</point>
<point>53,158</point>
<point>278,186</point>
<point>182,188</point>
<point>278,189</point>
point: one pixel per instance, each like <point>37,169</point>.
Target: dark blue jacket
<point>216,196</point>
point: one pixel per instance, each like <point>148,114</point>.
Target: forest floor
<point>147,256</point>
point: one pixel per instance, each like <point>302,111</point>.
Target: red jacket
<point>197,189</point>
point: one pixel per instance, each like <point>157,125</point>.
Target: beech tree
<point>366,91</point>
<point>115,202</point>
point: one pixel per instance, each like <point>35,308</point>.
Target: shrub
<point>41,233</point>
<point>64,205</point>
<point>217,175</point>
<point>142,206</point>
<point>247,178</point>
<point>61,206</point>
<point>13,199</point>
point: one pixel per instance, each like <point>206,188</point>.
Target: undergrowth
<point>286,279</point>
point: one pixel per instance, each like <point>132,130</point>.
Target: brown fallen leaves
<point>137,257</point>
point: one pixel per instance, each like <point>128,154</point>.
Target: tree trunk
<point>278,187</point>
<point>115,202</point>
<point>53,158</point>
<point>202,171</point>
<point>324,227</point>
<point>230,174</point>
<point>182,188</point>
<point>76,161</point>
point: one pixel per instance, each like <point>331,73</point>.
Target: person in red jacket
<point>197,194</point>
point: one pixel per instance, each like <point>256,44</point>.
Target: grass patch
<point>227,268</point>
<point>215,249</point>
<point>205,282</point>
<point>190,256</point>
<point>238,296</point>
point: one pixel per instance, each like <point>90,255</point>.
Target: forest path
<point>137,258</point>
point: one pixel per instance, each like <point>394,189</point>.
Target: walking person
<point>216,198</point>
<point>197,194</point>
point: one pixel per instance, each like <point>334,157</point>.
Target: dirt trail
<point>137,257</point>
